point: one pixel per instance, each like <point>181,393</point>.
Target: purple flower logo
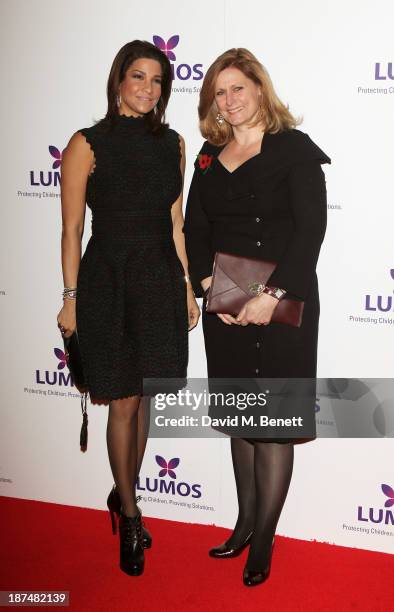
<point>167,47</point>
<point>390,494</point>
<point>392,273</point>
<point>54,151</point>
<point>62,358</point>
<point>167,468</point>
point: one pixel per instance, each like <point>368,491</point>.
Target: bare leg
<point>122,449</point>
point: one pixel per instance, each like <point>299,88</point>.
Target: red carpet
<point>52,547</point>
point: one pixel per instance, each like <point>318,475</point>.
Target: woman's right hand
<point>67,318</point>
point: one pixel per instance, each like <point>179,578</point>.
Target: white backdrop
<point>332,62</point>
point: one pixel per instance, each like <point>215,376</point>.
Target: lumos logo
<point>381,73</point>
<point>63,379</point>
<point>379,515</point>
<point>183,72</point>
<point>47,178</point>
<point>380,302</point>
<point>169,487</point>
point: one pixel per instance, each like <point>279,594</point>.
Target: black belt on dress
<point>136,226</point>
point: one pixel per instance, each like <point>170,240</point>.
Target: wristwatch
<point>274,292</point>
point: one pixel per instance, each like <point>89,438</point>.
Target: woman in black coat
<point>258,191</point>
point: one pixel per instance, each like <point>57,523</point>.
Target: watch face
<point>278,293</point>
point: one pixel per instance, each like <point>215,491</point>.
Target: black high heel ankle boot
<point>114,504</point>
<point>131,547</point>
<point>224,551</point>
<point>256,577</point>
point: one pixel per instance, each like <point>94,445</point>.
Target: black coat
<point>272,207</point>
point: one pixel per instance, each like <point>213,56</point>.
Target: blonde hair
<point>273,114</point>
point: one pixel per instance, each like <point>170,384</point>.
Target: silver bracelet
<point>70,292</point>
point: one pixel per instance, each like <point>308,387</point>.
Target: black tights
<point>127,432</point>
<point>262,474</point>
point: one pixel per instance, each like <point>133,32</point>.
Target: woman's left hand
<point>258,310</point>
<point>192,308</point>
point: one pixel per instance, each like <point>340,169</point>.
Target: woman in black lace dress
<point>129,296</point>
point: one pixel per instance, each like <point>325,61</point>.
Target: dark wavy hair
<point>130,52</point>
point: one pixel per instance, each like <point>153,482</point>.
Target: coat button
<point>258,243</point>
<point>257,219</point>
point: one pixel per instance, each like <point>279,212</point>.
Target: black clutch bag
<point>72,353</point>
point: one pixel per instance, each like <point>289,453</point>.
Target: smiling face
<point>238,98</point>
<point>140,89</point>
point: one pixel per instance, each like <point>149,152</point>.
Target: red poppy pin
<point>204,162</point>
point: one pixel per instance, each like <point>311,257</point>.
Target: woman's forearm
<point>71,256</point>
<point>179,241</point>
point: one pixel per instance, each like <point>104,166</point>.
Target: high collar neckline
<point>132,122</point>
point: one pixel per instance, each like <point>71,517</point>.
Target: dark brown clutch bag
<point>235,280</point>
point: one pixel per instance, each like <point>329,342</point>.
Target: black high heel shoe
<point>132,559</point>
<point>256,577</point>
<point>226,552</point>
<point>114,505</point>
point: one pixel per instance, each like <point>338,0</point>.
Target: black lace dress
<point>131,308</point>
